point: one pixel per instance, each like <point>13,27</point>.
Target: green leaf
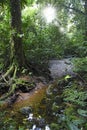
<point>82,112</point>
<point>21,128</point>
<point>79,121</point>
<point>72,126</point>
<point>67,77</point>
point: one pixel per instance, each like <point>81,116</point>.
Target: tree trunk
<point>85,8</point>
<point>17,55</point>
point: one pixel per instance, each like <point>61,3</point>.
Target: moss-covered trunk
<point>85,8</point>
<point>17,60</point>
<point>17,55</point>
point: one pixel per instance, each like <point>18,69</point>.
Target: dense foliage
<point>43,41</point>
<point>64,37</point>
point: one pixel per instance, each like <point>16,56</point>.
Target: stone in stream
<point>30,118</point>
<point>34,127</point>
<point>26,110</point>
<point>60,68</point>
<point>38,121</point>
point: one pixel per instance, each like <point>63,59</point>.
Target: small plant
<point>80,65</point>
<point>76,97</point>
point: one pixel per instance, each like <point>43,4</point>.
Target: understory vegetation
<point>68,107</point>
<point>28,41</point>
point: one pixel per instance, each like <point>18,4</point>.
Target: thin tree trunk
<point>85,8</point>
<point>17,54</point>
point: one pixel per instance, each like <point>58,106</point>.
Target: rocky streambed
<point>60,68</point>
<point>19,115</point>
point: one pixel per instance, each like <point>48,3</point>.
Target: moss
<point>85,126</point>
<point>55,107</point>
<point>69,111</point>
<point>55,126</point>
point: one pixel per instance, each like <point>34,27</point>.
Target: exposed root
<point>4,79</point>
<point>10,70</point>
<point>15,72</point>
<point>11,83</point>
<point>12,89</point>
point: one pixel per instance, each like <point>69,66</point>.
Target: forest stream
<point>33,110</point>
<point>43,64</point>
<point>18,112</point>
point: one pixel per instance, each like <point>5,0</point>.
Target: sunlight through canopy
<point>49,13</point>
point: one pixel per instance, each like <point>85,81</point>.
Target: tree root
<point>9,93</point>
<point>9,71</point>
<point>11,82</point>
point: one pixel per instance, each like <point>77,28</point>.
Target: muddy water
<point>13,118</point>
<point>33,99</point>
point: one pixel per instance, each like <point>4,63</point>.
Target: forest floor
<point>58,68</point>
<point>37,87</point>
<point>59,101</point>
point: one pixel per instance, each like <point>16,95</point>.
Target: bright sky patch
<point>49,13</point>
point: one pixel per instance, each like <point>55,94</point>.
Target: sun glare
<point>49,13</point>
<point>62,30</point>
<point>69,26</point>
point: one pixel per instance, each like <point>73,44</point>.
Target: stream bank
<point>59,105</point>
<point>14,116</point>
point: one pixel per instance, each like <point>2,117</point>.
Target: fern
<point>76,97</point>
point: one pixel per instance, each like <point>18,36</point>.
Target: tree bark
<point>85,8</point>
<point>17,54</point>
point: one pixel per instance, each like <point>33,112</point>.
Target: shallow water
<point>33,100</point>
<point>12,114</point>
<point>60,68</point>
